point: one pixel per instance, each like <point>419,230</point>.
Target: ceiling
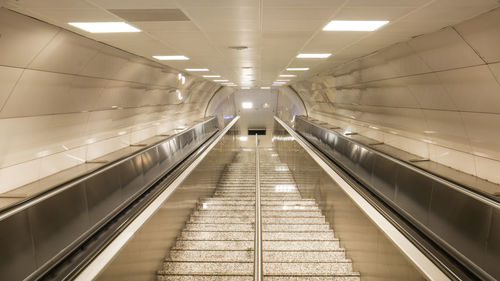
<point>274,31</point>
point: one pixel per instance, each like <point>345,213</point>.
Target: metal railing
<point>258,221</point>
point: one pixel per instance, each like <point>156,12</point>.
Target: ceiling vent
<point>132,15</point>
<point>238,48</point>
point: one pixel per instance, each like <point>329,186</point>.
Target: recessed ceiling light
<point>211,76</point>
<point>288,75</point>
<point>197,69</point>
<point>171,57</point>
<point>297,69</point>
<point>265,88</point>
<point>354,25</point>
<point>313,56</point>
<point>247,105</point>
<point>104,27</point>
<point>221,80</point>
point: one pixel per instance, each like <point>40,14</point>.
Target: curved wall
<point>66,99</point>
<point>436,95</point>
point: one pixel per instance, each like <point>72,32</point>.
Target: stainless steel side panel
<point>462,222</point>
<point>44,229</point>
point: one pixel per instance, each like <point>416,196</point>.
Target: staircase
<point>217,242</point>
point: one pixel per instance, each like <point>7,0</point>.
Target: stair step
<point>311,236</point>
<point>301,245</point>
<point>290,220</point>
<point>203,268</point>
<point>224,213</point>
<point>218,227</point>
<point>213,245</point>
<point>303,256</point>
<point>336,277</point>
<point>171,277</point>
<point>268,202</point>
<point>291,213</point>
<point>306,268</point>
<point>213,256</point>
<point>195,219</point>
<point>289,207</point>
<point>296,227</point>
<point>213,207</point>
<point>219,235</point>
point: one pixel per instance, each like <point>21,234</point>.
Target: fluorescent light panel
<point>221,80</point>
<point>297,69</point>
<point>288,75</point>
<point>282,80</point>
<point>197,69</point>
<point>104,27</point>
<point>354,25</point>
<point>171,57</point>
<point>314,56</point>
<point>211,76</point>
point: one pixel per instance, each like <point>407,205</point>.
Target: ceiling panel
<point>274,30</point>
<point>134,4</point>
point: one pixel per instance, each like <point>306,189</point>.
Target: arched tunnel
<point>337,140</point>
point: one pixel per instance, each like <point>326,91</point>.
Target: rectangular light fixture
<point>197,69</point>
<point>171,57</point>
<point>283,80</point>
<point>211,76</point>
<point>265,88</point>
<point>297,69</point>
<point>314,56</point>
<point>247,105</point>
<point>243,138</point>
<point>288,75</point>
<point>104,27</point>
<point>354,25</point>
<point>221,80</point>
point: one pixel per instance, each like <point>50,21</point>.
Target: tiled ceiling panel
<point>150,14</point>
<point>274,31</point>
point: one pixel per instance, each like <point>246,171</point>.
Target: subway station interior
<point>275,140</point>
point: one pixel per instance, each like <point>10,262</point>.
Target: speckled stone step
<point>171,277</point>
<point>219,227</point>
<point>267,202</point>
<point>197,219</point>
<point>211,256</point>
<point>291,213</point>
<point>310,236</point>
<point>234,193</point>
<point>224,213</point>
<point>300,245</point>
<point>289,220</point>
<point>208,206</point>
<point>203,268</point>
<point>285,207</point>
<point>336,277</point>
<point>306,268</point>
<point>228,199</point>
<point>296,227</point>
<point>304,256</point>
<point>213,245</point>
<point>218,235</point>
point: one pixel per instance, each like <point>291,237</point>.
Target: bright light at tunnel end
<point>354,25</point>
<point>247,105</point>
<point>243,138</point>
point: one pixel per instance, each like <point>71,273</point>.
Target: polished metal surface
<point>258,217</point>
<point>56,222</point>
<point>373,254</point>
<point>459,220</point>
